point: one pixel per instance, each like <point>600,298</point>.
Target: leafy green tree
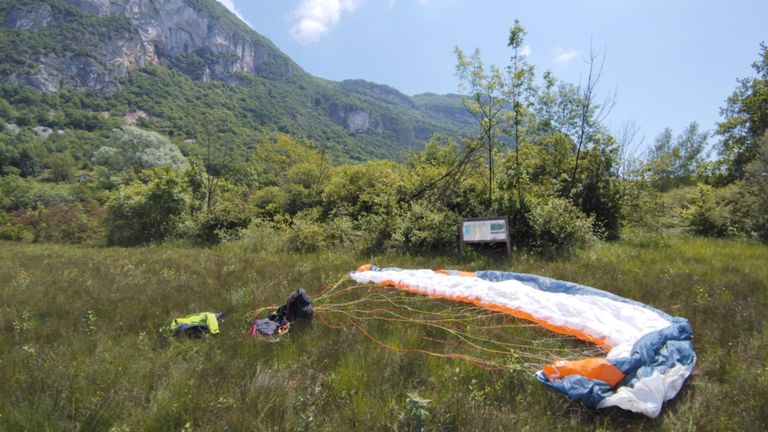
<point>756,191</point>
<point>145,149</point>
<point>559,227</point>
<point>62,166</point>
<point>520,91</point>
<point>6,112</point>
<point>591,111</point>
<point>745,120</point>
<point>675,161</point>
<point>546,105</point>
<point>597,191</point>
<point>31,154</point>
<point>706,215</point>
<point>148,210</point>
<point>446,174</point>
<point>376,187</point>
<point>110,157</point>
<point>486,100</point>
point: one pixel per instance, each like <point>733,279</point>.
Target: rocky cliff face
<point>93,44</point>
<point>188,34</point>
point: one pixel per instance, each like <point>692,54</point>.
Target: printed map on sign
<point>486,230</point>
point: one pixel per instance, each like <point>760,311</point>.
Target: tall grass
<point>83,348</point>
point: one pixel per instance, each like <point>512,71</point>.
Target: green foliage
<point>487,98</point>
<point>62,166</point>
<point>707,215</point>
<point>674,163</point>
<point>147,211</point>
<point>9,228</point>
<point>372,188</point>
<point>225,221</point>
<point>745,120</point>
<point>748,204</point>
<point>423,226</point>
<point>598,193</point>
<point>270,202</point>
<point>559,227</point>
<point>145,149</point>
<point>69,223</point>
<point>69,30</point>
<point>306,235</point>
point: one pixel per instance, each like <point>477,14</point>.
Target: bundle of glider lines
<point>649,353</point>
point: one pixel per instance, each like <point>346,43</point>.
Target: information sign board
<point>485,230</point>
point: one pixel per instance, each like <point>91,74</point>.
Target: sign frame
<point>506,240</point>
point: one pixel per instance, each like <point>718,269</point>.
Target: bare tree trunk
<point>587,104</point>
<point>210,180</point>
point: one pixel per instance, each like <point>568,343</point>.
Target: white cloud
<point>312,19</point>
<point>564,56</point>
<point>526,51</point>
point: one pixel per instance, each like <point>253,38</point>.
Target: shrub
<point>148,211</point>
<point>343,232</point>
<point>707,215</point>
<point>756,189</point>
<point>62,166</point>
<point>306,234</point>
<point>70,223</point>
<point>225,221</point>
<point>374,187</point>
<point>9,229</point>
<point>144,149</point>
<point>424,226</point>
<point>559,226</point>
<point>270,202</point>
<point>264,236</point>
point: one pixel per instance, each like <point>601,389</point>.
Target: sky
<point>668,62</point>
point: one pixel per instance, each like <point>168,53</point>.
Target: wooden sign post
<point>485,230</point>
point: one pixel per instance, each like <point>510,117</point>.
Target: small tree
<point>756,187</point>
<point>591,112</point>
<point>520,91</point>
<point>145,149</point>
<point>673,162</point>
<point>745,120</point>
<point>486,100</point>
<point>147,210</point>
<point>61,165</point>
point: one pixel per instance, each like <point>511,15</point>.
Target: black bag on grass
<point>298,307</point>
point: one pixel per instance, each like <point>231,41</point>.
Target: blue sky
<point>669,62</point>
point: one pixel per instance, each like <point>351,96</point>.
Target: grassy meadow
<point>83,348</point>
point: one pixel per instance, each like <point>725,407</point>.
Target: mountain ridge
<point>96,45</point>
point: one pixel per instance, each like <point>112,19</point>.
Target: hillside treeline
<point>541,154</point>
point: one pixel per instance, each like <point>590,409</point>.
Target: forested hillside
<point>63,61</point>
<point>165,150</point>
<point>159,158</point>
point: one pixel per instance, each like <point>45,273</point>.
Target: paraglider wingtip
<point>366,267</point>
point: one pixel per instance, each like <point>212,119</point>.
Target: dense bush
<point>756,192</point>
<point>306,235</point>
<point>70,223</point>
<point>421,226</point>
<point>708,215</point>
<point>9,228</point>
<point>148,210</point>
<point>224,222</point>
<point>559,226</point>
<point>140,149</point>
